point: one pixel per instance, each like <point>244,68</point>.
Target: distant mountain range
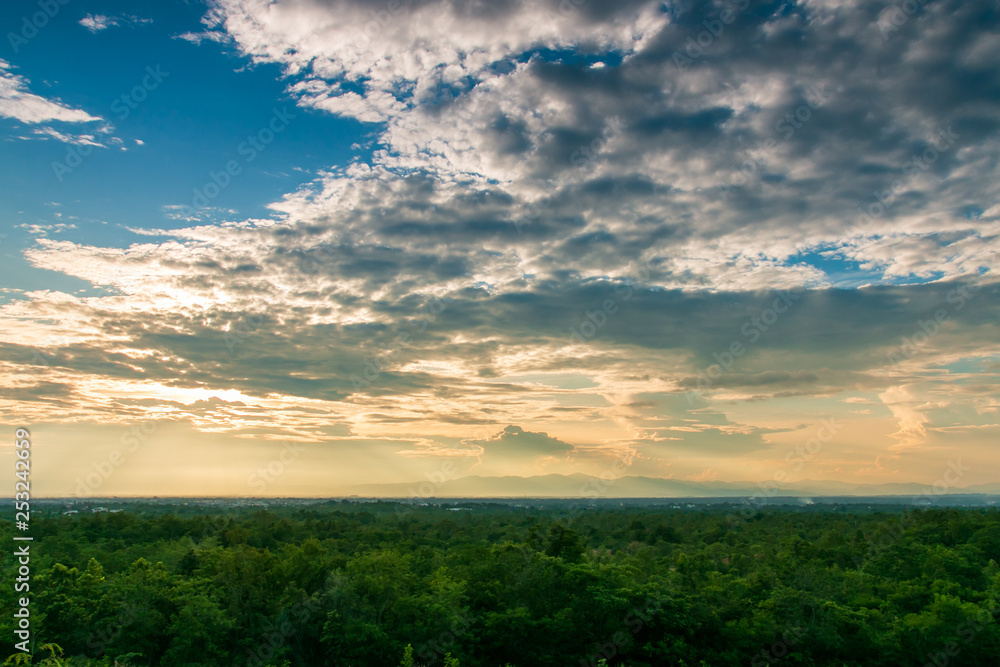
<point>583,486</point>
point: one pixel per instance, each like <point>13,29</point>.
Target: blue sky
<point>519,237</point>
<point>190,124</point>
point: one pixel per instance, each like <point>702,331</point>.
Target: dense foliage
<point>384,584</point>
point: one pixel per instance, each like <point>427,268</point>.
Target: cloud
<point>704,248</point>
<point>237,307</point>
<point>77,139</point>
<point>97,22</point>
<point>236,312</point>
<point>515,441</point>
<point>412,52</point>
<point>754,166</point>
<point>18,103</point>
<point>204,36</point>
<point>516,451</point>
<point>45,230</point>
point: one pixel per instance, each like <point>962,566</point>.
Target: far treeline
<point>387,584</point>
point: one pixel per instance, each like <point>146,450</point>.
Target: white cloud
<point>97,22</point>
<point>204,36</point>
<point>45,230</point>
<point>459,96</point>
<point>18,103</point>
<point>400,58</point>
<point>77,139</point>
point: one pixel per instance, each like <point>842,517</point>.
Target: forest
<point>386,584</point>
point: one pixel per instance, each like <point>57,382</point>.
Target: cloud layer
<point>685,232</point>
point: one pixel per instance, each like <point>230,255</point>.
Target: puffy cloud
<point>766,158</point>
<point>98,22</point>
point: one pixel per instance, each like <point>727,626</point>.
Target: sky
<point>290,247</point>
